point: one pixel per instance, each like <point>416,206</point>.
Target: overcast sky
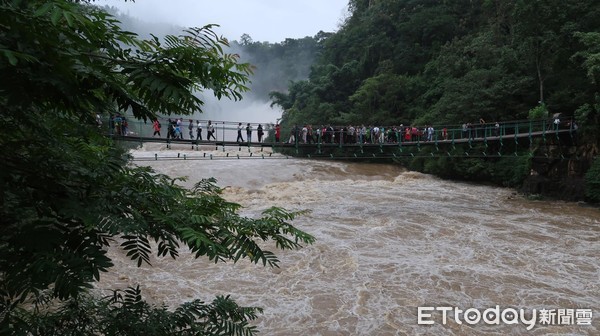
<point>263,20</point>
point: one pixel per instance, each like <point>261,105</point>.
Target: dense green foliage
<point>445,63</point>
<point>449,62</point>
<point>68,194</point>
<point>592,180</point>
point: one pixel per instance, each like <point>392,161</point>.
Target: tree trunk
<point>540,79</point>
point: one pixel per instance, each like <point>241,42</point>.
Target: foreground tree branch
<point>67,194</point>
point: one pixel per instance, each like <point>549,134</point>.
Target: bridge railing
<point>226,131</point>
<point>223,130</point>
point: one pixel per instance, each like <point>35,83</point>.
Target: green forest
<point>450,62</point>
<point>416,62</point>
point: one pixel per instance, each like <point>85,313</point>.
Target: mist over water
<point>270,74</point>
<point>247,110</point>
<point>388,241</point>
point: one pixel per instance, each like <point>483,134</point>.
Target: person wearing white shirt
<point>248,132</point>
<point>210,131</point>
<point>239,133</point>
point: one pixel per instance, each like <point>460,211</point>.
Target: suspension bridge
<point>487,140</point>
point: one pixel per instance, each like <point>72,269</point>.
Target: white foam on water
<point>388,241</point>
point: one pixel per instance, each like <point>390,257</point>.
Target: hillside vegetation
<point>416,62</point>
<point>449,62</point>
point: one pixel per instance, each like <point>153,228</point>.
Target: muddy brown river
<point>388,242</point>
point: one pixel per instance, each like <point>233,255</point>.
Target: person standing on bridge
<point>277,132</point>
<point>118,120</point>
<point>249,132</point>
<point>178,133</point>
<point>198,130</point>
<point>304,133</point>
<point>191,129</point>
<point>156,126</point>
<point>260,132</point>
<point>178,129</point>
<point>430,132</point>
<point>330,134</point>
<point>363,133</point>
<point>170,129</point>
<point>239,135</point>
<point>374,134</point>
<point>293,132</point>
<point>210,131</point>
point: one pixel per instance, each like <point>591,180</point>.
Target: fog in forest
<point>275,65</point>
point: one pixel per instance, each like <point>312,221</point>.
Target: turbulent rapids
<point>388,241</point>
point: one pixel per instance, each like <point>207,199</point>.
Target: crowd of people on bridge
<point>371,134</point>
<point>260,132</point>
<point>307,134</point>
<point>117,124</point>
<point>175,129</point>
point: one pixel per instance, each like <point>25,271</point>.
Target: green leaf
<point>11,57</point>
<point>69,18</point>
<point>43,9</point>
<point>57,13</point>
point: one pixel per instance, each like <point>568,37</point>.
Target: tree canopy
<point>450,62</point>
<point>68,193</point>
